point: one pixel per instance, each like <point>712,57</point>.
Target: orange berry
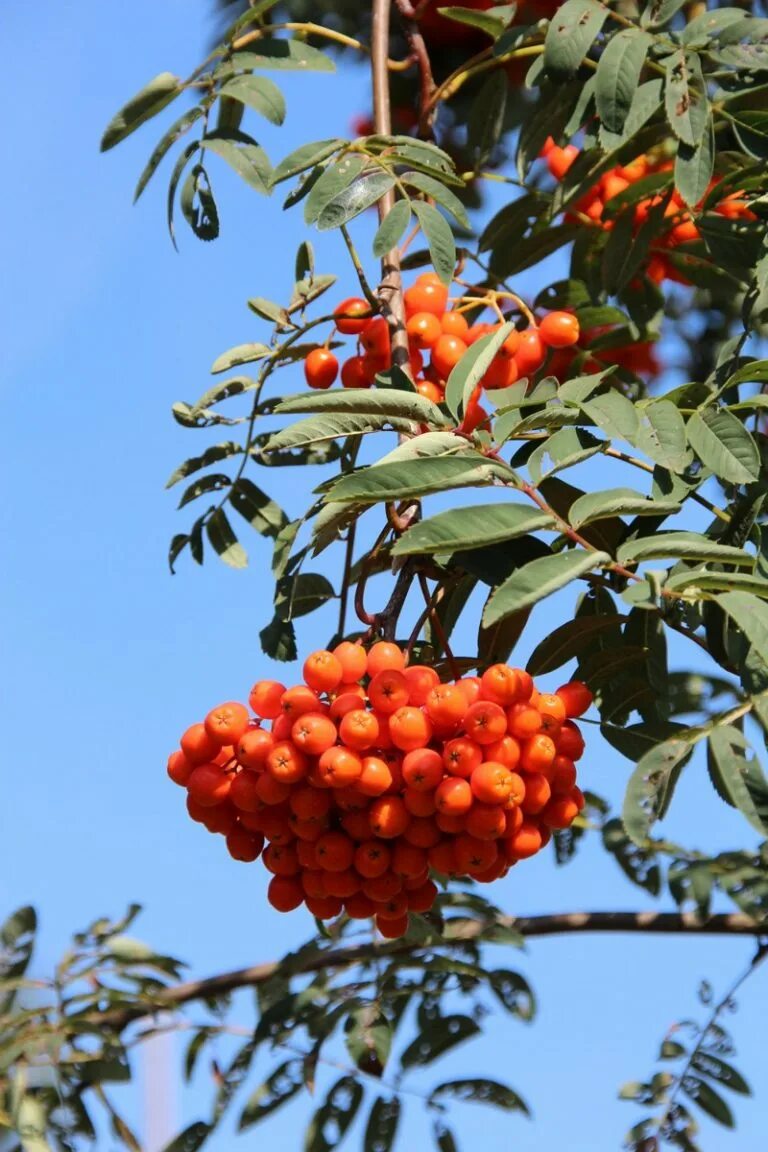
<point>281,727</point>
<point>486,822</point>
<point>359,729</point>
<point>243,845</point>
<point>530,352</point>
<point>446,353</point>
<point>471,686</point>
<point>455,324</point>
<point>525,842</point>
<point>537,793</point>
<point>422,832</point>
<point>265,698</point>
<point>305,850</point>
<point>344,884</point>
<point>320,368</point>
<point>453,796</point>
<point>505,751</point>
<point>339,767</point>
<point>443,858</point>
<point>422,898</point>
<point>563,775</point>
<point>560,812</point>
<point>383,887</point>
<point>388,690</point>
<point>253,747</point>
<point>353,316</point>
<point>570,741</point>
<point>559,330</point>
<point>461,756</point>
<point>309,803</point>
<point>355,373</point>
<point>357,825</point>
<point>287,763</point>
<point>449,824</point>
<point>313,733</point>
<point>281,859</point>
<point>372,858</point>
<point>385,656</point>
<point>523,721</point>
<point>502,372</point>
<point>409,728</point>
<point>424,329</point>
<point>227,722</point>
<point>473,854</point>
<point>419,803</point>
<point>375,777</point>
<point>576,697</point>
<point>426,296</point>
<point>550,704</point>
<point>526,683</point>
<point>446,706</point>
<point>347,701</point>
<point>500,684</point>
<point>223,819</point>
<point>375,338</point>
<point>513,817</point>
<point>420,680</point>
<point>276,825</point>
<point>313,883</point>
<point>209,785</point>
<point>392,929</point>
<point>198,746</point>
<point>491,783</point>
<point>395,909</point>
<point>353,660</point>
<point>559,160</point>
<point>335,851</point>
<point>296,701</point>
<point>485,722</point>
<point>389,817</point>
<point>423,769</point>
<point>244,794</point>
<point>537,754</point>
<point>324,907</point>
<point>408,859</point>
<point>179,768</point>
<point>359,906</point>
<point>323,671</point>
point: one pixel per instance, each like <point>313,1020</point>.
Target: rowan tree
<point>451,416</point>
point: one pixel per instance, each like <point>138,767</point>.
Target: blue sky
<point>108,658</point>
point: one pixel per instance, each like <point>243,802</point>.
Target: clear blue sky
<point>107,658</point>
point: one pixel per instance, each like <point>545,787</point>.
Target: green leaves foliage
<point>652,785</point>
<point>147,103</point>
<point>472,527</point>
<point>618,74</point>
<point>443,1034</point>
<point>442,248</point>
<point>539,579</point>
<point>721,441</point>
<point>571,33</point>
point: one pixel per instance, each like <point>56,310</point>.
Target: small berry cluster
<point>443,333</point>
<point>682,227</point>
<point>375,773</point>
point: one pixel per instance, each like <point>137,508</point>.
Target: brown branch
<point>418,47</point>
<point>457,932</point>
<point>391,288</point>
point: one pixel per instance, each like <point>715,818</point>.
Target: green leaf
<point>486,117</point>
<point>571,33</point>
<point>662,435</point>
<point>368,1037</point>
<point>651,786</point>
<point>614,415</point>
<point>685,97</point>
<point>211,455</point>
<point>618,75</point>
<point>268,310</point>
<point>392,228</point>
<point>174,133</point>
<point>190,1139</point>
<point>337,176</point>
<point>723,444</point>
<point>565,448</point>
<point>223,540</point>
<point>277,1089</point>
<point>354,199</point>
<point>443,1034</point>
<point>569,640</point>
<point>318,429</point>
<point>618,502</point>
<point>694,167</point>
<point>750,615</point>
<point>438,191</point>
<point>279,55</point>
<point>708,1100</point>
<point>637,865</point>
<point>307,156</point>
<point>262,513</point>
<point>471,527</point>
<point>539,579</point>
<point>414,478</point>
<point>242,154</point>
<point>278,640</point>
<point>382,402</point>
<point>716,1069</point>
<point>658,12</point>
<point>473,365</point>
<point>514,992</point>
<point>739,781</point>
<point>259,93</point>
<point>691,584</point>
<point>485,21</point>
<point>240,354</point>
<point>173,183</point>
<point>481,1091</point>
<point>682,545</point>
<point>155,96</point>
<point>437,231</point>
<point>382,1125</point>
<point>198,205</point>
<point>330,1123</point>
<point>214,482</point>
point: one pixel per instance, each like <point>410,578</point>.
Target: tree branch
<point>457,932</point>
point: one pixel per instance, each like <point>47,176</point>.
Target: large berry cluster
<point>374,774</point>
<point>681,229</point>
<point>439,331</point>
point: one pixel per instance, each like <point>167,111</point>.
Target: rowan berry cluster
<point>374,775</point>
<point>682,228</point>
<point>443,333</point>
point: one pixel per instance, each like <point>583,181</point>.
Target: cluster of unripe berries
<point>682,227</point>
<point>442,333</point>
<point>357,785</point>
